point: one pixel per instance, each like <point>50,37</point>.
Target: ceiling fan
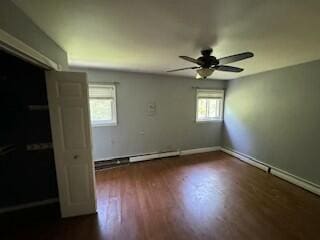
<point>207,64</point>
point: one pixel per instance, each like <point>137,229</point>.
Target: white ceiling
<point>149,35</point>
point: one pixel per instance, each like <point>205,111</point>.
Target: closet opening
<point>27,168</point>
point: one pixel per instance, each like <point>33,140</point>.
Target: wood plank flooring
<point>201,196</point>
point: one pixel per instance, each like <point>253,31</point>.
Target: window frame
<point>208,119</point>
<point>105,123</point>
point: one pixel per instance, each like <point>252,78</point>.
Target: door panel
<point>73,131</point>
<point>77,175</point>
<point>70,90</point>
<point>70,121</point>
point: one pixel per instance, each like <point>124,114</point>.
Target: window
<point>209,105</point>
<point>102,100</point>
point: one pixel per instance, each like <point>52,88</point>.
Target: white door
<point>71,134</point>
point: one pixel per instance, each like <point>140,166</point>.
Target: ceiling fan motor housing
<point>206,52</point>
<point>208,61</point>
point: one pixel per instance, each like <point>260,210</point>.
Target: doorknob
<point>75,156</point>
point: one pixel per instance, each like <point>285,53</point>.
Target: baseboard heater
<point>298,181</point>
<point>153,156</point>
<point>248,159</point>
<point>104,164</point>
<point>110,163</point>
<point>107,163</point>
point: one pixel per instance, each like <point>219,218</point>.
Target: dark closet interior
<point>27,171</point>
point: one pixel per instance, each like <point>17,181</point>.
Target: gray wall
<point>275,117</point>
<point>173,126</point>
<point>16,23</point>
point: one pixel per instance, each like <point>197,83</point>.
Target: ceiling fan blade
<point>190,59</point>
<point>228,68</point>
<point>235,58</point>
<point>180,69</point>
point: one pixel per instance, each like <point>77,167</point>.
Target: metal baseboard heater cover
<point>112,162</point>
<point>153,156</point>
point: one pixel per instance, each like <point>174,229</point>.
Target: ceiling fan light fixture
<point>198,76</point>
<point>205,72</point>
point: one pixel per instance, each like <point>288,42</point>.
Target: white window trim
<point>105,123</point>
<point>208,120</point>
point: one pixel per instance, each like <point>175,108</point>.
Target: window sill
<point>209,121</point>
<point>104,124</point>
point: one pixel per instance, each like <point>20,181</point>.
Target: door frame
<point>18,48</point>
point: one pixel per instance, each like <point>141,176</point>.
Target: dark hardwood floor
<point>202,196</point>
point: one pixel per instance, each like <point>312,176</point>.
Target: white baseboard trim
<point>29,205</point>
<point>307,185</point>
<point>199,150</point>
<point>153,156</point>
<point>298,181</point>
<point>247,159</point>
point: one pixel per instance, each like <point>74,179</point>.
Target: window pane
<point>213,111</point>
<point>101,109</point>
<point>209,104</point>
<point>202,109</point>
<point>209,108</point>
